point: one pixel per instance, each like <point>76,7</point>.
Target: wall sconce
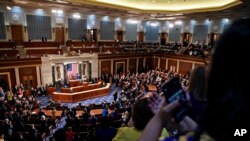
<point>53,29</point>
<point>7,28</point>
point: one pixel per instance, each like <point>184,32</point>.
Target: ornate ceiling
<point>181,6</point>
<point>143,9</point>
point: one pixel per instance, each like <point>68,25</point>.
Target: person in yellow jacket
<point>140,117</point>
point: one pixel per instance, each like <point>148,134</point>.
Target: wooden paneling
<point>97,49</point>
<point>116,62</point>
<point>17,33</point>
<point>180,57</point>
<point>149,63</point>
<point>7,44</point>
<point>140,65</point>
<point>41,52</point>
<point>163,64</point>
<point>12,76</point>
<point>198,65</point>
<point>60,34</point>
<point>123,55</point>
<point>155,63</point>
<point>28,76</point>
<point>172,64</point>
<point>82,88</point>
<point>11,63</point>
<point>141,36</point>
<point>132,65</point>
<point>107,43</point>
<point>9,53</point>
<point>79,43</point>
<point>184,67</point>
<point>79,96</point>
<point>106,67</point>
<point>41,44</point>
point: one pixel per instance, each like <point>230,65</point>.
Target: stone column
<point>94,66</point>
<point>112,67</point>
<point>166,64</point>
<point>80,69</point>
<point>65,73</point>
<point>38,75</point>
<point>17,76</point>
<point>177,69</point>
<point>53,74</point>
<point>89,70</point>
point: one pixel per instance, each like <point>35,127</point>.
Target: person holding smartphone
<point>228,94</point>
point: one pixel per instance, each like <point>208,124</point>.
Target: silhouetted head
<point>228,84</point>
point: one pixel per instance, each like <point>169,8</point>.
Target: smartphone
<point>172,90</point>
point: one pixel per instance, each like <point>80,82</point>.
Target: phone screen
<point>172,91</point>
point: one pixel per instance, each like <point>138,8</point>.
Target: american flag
<point>72,70</point>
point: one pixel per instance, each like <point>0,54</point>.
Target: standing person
<point>69,134</point>
<point>32,133</point>
<point>228,92</point>
<point>197,92</point>
<point>115,95</point>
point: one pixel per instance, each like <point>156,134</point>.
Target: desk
<point>82,95</point>
<point>74,83</point>
<point>84,87</point>
<point>152,88</point>
<point>95,112</point>
<point>50,90</point>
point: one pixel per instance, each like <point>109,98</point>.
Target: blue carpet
<point>108,98</point>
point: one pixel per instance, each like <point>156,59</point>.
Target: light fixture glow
<point>171,25</point>
<point>9,8</point>
<point>133,21</point>
<point>59,11</point>
<point>178,22</point>
<point>169,5</point>
<point>153,24</point>
<point>53,11</point>
<point>76,16</point>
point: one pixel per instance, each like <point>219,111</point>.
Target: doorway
<point>120,67</point>
<point>141,36</point>
<point>60,34</point>
<point>93,35</point>
<point>17,34</point>
<point>186,38</point>
<point>213,38</point>
<point>119,35</point>
<point>163,38</point>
